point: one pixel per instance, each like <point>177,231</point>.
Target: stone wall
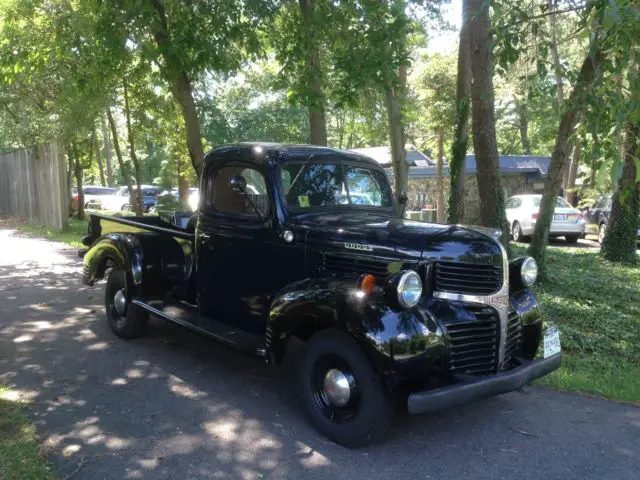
<point>33,186</point>
<point>422,191</point>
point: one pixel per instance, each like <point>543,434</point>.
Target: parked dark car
<point>392,312</point>
<point>597,218</point>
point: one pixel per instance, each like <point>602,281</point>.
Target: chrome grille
<point>468,278</point>
<point>513,341</point>
<point>473,345</point>
<point>352,266</point>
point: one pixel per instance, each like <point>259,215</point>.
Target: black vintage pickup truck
<point>308,242</point>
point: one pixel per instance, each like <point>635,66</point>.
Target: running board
<point>245,342</point>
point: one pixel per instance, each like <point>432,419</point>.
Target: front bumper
<point>482,387</point>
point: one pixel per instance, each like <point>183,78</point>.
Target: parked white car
<point>93,195</point>
<point>522,214</point>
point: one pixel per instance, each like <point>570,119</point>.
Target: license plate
<point>551,342</point>
<point>559,218</point>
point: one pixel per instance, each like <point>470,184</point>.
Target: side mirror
<point>238,184</point>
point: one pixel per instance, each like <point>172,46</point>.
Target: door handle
<point>204,236</point>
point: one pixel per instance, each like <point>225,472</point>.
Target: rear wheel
<point>516,233</point>
<point>342,395</point>
<point>572,238</point>
<point>125,319</point>
<point>602,231</point>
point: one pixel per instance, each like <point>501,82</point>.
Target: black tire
<point>602,230</point>
<point>572,238</point>
<point>370,410</point>
<point>516,233</point>
<point>133,322</point>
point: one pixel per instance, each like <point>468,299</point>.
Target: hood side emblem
<point>357,246</point>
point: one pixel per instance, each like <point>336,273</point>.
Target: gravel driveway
<point>177,406</point>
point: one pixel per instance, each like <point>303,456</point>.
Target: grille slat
<point>513,342</point>
<point>354,266</point>
<point>473,345</point>
<point>467,278</point>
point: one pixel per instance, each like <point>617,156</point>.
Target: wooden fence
<point>33,186</point>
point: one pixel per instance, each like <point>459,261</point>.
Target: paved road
<point>177,406</point>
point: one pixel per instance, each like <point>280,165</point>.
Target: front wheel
<point>572,239</point>
<point>125,320</point>
<point>342,395</point>
<point>602,231</point>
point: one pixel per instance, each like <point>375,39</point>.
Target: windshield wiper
<point>304,165</point>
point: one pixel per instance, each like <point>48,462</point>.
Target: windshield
<point>315,183</point>
<point>560,202</point>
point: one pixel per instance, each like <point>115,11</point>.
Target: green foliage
<point>596,305</point>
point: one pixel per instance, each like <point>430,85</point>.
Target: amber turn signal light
<point>367,283</point>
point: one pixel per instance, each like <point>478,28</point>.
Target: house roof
<point>509,164</point>
<point>382,155</point>
<point>514,164</point>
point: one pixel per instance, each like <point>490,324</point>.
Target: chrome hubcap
<point>120,302</point>
<point>336,387</point>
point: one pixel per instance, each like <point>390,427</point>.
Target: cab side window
<point>223,199</point>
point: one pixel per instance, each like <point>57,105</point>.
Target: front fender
<point>395,340</point>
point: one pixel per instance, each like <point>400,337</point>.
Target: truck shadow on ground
<point>174,404</point>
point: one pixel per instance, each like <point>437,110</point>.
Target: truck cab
<point>308,243</point>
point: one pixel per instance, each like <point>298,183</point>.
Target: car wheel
<point>602,232</point>
<point>572,238</point>
<point>125,320</point>
<point>340,392</point>
<point>125,207</point>
<point>516,233</point>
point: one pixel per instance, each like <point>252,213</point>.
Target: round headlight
<point>409,289</point>
<point>529,272</point>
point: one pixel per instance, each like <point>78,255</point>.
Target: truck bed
<point>100,224</point>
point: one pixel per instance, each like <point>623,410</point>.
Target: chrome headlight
<point>409,289</point>
<point>529,272</point>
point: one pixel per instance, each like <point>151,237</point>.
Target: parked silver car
<point>522,214</point>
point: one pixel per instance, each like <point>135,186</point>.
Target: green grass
<point>19,450</point>
<point>596,305</point>
<point>72,235</point>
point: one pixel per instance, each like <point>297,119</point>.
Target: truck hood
<point>382,235</point>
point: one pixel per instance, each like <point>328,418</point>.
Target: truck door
<point>234,247</point>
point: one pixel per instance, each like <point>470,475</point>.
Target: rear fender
<point>117,249</point>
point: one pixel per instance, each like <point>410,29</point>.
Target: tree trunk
<point>103,180</point>
<point>621,237</point>
<point>483,121</point>
<point>180,87</point>
<point>183,185</point>
<point>440,179</point>
<point>313,76</point>
<point>523,126</point>
<point>557,69</point>
<point>396,135</point>
<point>77,171</point>
<point>132,151</point>
<point>585,80</point>
<point>107,150</point>
<point>461,137</point>
<point>123,168</point>
<point>70,178</point>
<point>569,194</point>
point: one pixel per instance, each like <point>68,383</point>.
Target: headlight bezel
<point>516,280</point>
<point>402,282</point>
<point>531,265</point>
